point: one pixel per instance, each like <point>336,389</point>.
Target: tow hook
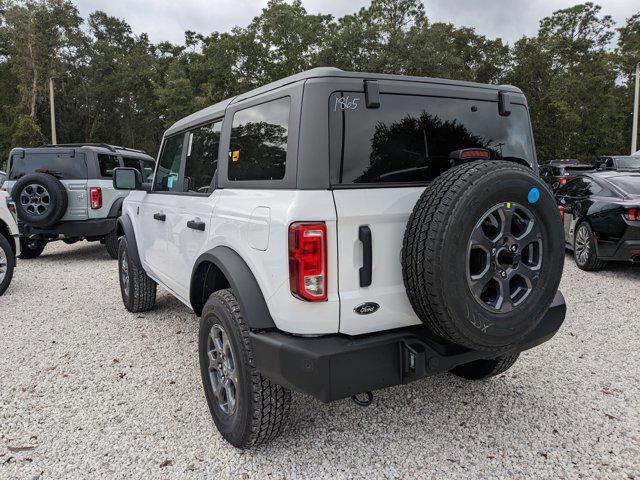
<point>363,403</point>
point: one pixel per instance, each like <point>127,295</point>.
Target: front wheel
<point>247,408</point>
<point>7,264</point>
<point>584,249</point>
<point>31,248</point>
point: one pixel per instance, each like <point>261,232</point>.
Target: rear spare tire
<point>483,254</point>
<point>41,199</point>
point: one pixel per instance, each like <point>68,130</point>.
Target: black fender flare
<point>241,279</point>
<point>124,227</point>
<point>116,208</point>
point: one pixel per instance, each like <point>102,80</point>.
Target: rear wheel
<point>483,254</point>
<point>137,289</point>
<point>247,408</point>
<point>7,263</point>
<point>31,248</point>
<point>481,369</point>
<point>584,249</point>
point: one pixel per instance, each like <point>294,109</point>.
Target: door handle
<point>364,235</point>
<point>159,216</point>
<point>196,225</point>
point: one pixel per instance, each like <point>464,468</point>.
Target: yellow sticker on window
<point>235,156</point>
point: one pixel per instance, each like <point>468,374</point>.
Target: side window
<point>107,164</point>
<point>169,165</point>
<point>202,157</point>
<point>258,147</point>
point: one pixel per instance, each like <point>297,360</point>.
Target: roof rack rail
<point>103,145</point>
<point>127,149</point>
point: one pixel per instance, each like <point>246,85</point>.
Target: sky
<point>169,19</point>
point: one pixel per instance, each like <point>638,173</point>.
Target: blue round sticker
<point>534,195</point>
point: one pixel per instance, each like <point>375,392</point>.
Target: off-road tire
<point>592,263</point>
<point>31,248</point>
<point>481,369</point>
<point>111,242</point>
<point>434,253</point>
<point>139,295</point>
<point>262,406</point>
<point>57,199</point>
<point>8,265</point>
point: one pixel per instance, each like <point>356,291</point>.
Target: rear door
<point>189,221</point>
<point>382,159</point>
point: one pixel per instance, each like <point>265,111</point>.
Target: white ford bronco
<point>339,233</point>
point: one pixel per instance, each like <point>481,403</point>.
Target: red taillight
<point>475,153</point>
<point>633,214</point>
<point>561,210</point>
<point>308,260</point>
<point>95,198</point>
<point>562,180</point>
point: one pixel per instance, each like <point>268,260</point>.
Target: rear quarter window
<point>258,146</point>
<point>108,163</point>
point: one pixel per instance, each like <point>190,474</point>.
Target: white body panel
<point>7,218</point>
<point>253,223</point>
<point>385,211</point>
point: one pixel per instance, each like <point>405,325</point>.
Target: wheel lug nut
<point>493,251</point>
<point>503,274</point>
<point>514,248</point>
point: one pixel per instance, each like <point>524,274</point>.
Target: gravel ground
<point>88,390</point>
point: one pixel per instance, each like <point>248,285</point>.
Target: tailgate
<point>385,212</point>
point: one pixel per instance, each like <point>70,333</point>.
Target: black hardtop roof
<point>218,109</point>
<point>97,147</point>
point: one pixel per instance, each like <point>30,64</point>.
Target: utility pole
<point>636,100</point>
<point>54,139</point>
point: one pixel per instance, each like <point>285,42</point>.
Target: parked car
<point>318,228</point>
<point>65,192</point>
<point>9,240</point>
<point>618,162</point>
<point>3,177</point>
<point>601,216</point>
<point>558,172</point>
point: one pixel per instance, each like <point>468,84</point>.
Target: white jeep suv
<point>343,232</point>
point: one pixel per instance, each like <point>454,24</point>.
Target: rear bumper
<point>338,366</point>
<point>83,228</point>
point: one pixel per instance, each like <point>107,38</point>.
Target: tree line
<point>114,85</point>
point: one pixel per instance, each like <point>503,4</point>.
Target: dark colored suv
<point>65,192</point>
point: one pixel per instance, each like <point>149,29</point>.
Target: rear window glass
<point>62,165</point>
<point>629,185</point>
<point>631,162</point>
<point>258,149</point>
<point>409,139</point>
<point>108,163</point>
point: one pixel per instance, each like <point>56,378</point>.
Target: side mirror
<point>125,178</point>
